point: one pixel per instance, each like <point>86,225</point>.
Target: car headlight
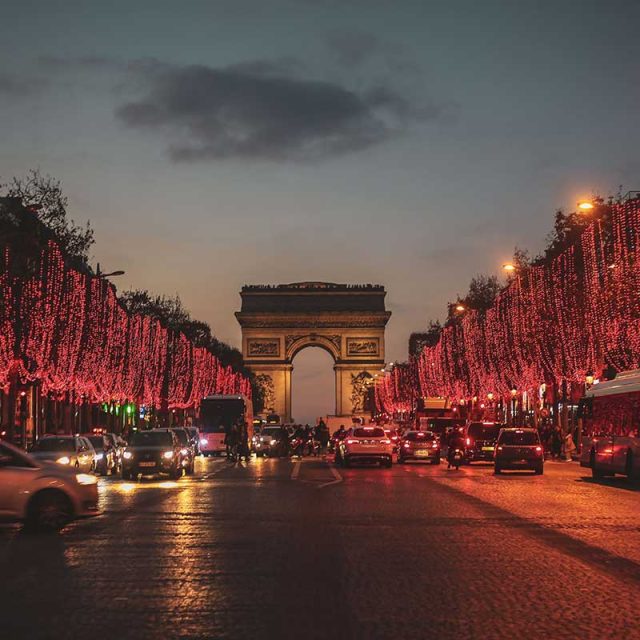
<point>203,441</point>
<point>127,455</point>
<point>273,442</point>
<point>63,460</point>
<point>99,456</point>
<point>86,479</point>
<point>184,452</point>
<point>167,455</point>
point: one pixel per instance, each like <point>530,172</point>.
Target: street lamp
<point>585,206</point>
<point>107,275</point>
<point>509,267</point>
<point>460,308</point>
<point>589,379</point>
<point>490,396</point>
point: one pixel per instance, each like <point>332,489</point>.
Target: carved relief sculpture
<point>359,391</point>
<point>265,381</point>
<point>263,348</point>
<point>362,347</point>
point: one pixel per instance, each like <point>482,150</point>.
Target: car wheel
<point>631,473</point>
<point>191,468</point>
<point>126,475</point>
<point>49,511</point>
<point>176,473</point>
<point>595,472</point>
<point>401,460</point>
<point>497,470</point>
<point>346,462</point>
<point>539,470</point>
<point>388,463</point>
<point>436,460</point>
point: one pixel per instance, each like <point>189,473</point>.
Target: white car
<point>44,495</point>
<point>365,444</point>
<point>76,452</point>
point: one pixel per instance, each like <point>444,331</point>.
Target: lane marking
<point>336,475</point>
<point>296,470</point>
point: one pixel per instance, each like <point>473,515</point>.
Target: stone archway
<point>348,321</point>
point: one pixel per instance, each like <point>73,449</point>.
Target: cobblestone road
<point>282,549</point>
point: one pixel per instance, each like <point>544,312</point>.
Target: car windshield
<point>151,439</point>
<point>54,444</point>
<point>480,430</point>
<point>369,432</point>
<point>519,438</point>
<point>97,442</point>
<point>419,435</point>
<point>181,434</point>
<point>270,433</point>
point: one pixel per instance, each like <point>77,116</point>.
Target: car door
<point>16,476</point>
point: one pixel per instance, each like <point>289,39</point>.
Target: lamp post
<point>101,275</point>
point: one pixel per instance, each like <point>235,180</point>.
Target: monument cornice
<point>311,320</point>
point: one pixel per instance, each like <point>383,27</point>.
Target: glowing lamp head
<point>460,308</point>
<point>589,378</point>
<point>585,206</point>
<point>490,396</point>
<point>514,392</point>
<point>510,268</point>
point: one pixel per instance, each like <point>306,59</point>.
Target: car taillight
<point>468,442</point>
<point>499,448</point>
<point>407,445</point>
<point>385,441</point>
<point>539,449</point>
<point>435,445</point>
<point>350,441</point>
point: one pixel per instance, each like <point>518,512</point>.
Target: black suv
<point>480,442</point>
<point>519,449</point>
<point>151,453</point>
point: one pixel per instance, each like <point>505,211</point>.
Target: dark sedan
<point>419,445</point>
<point>153,452</point>
<point>481,438</point>
<point>519,449</point>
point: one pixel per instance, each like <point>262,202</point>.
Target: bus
<point>610,414</point>
<point>217,414</point>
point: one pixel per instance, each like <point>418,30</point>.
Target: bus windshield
<point>217,414</point>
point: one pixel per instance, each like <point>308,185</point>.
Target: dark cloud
<point>16,87</point>
<point>255,112</point>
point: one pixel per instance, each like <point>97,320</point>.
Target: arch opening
<point>313,384</point>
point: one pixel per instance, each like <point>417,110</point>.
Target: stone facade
<point>348,321</point>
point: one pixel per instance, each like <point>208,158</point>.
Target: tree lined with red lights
<point>75,337</point>
<point>574,312</point>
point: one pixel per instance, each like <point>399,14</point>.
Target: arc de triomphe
<point>348,321</point>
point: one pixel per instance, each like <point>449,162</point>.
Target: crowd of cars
<point>56,480</point>
<point>490,442</point>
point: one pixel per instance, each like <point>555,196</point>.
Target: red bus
<point>611,421</point>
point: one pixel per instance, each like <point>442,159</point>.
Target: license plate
<point>147,464</point>
<point>422,453</point>
<point>487,448</point>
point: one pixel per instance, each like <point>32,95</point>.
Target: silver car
<point>75,452</point>
<point>44,495</point>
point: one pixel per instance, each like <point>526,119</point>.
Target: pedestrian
<point>556,442</point>
<point>569,446</point>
